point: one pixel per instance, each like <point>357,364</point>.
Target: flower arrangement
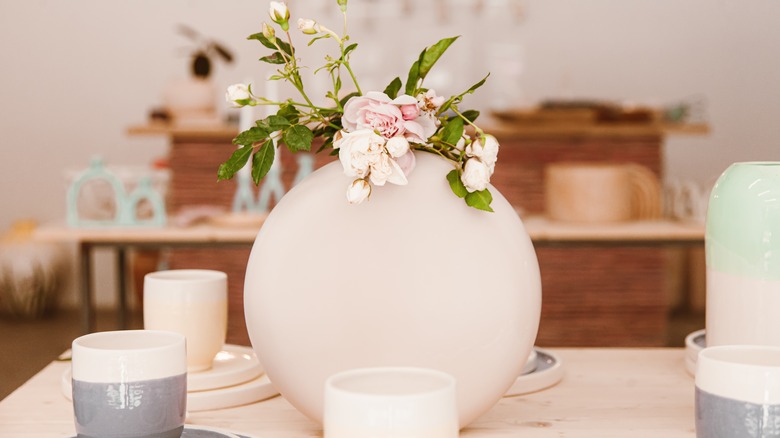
<point>373,133</point>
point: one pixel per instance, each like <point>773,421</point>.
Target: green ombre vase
<point>742,242</point>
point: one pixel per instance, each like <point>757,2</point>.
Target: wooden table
<point>543,233</point>
<point>605,393</point>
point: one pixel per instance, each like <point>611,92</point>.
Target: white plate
<point>253,391</point>
<point>694,343</point>
<point>548,372</point>
<point>193,431</point>
<point>233,365</point>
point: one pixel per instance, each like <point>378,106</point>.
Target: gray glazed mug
<point>738,392</point>
<point>130,384</point>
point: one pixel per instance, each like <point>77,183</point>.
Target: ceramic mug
<point>738,392</point>
<point>390,402</point>
<point>129,384</point>
<point>192,302</point>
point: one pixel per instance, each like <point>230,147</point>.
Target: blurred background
<point>76,75</point>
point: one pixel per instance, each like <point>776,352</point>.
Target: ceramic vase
<point>411,277</point>
<point>742,244</point>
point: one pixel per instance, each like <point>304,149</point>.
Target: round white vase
<point>411,277</point>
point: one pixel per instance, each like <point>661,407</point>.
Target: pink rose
<point>420,129</point>
<point>376,111</point>
<point>406,162</point>
<point>410,112</point>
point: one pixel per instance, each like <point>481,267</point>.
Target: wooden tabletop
<point>541,230</point>
<point>605,393</point>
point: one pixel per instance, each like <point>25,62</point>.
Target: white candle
<point>246,121</point>
<point>272,94</point>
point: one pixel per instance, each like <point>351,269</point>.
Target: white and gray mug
<point>129,384</point>
<point>738,392</point>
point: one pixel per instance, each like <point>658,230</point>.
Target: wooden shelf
<point>507,130</point>
<point>216,131</point>
<point>502,130</point>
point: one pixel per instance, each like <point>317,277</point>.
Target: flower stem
<point>344,58</point>
<point>465,119</point>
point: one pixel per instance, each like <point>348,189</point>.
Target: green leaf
<point>320,37</point>
<point>471,115</point>
<point>480,200</point>
<point>349,48</point>
<point>457,99</point>
<point>414,75</point>
<point>298,138</point>
<point>263,40</point>
<point>251,136</point>
<point>262,161</point>
<point>286,48</point>
<point>432,54</point>
<point>452,131</point>
<point>289,112</point>
<point>266,42</point>
<point>456,184</point>
<point>234,163</point>
<point>344,99</point>
<point>392,89</point>
<point>475,86</point>
<point>275,58</point>
<point>276,122</point>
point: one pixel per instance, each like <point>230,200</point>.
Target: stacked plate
<point>236,378</point>
<point>694,343</point>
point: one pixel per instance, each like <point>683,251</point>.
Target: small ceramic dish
<point>694,343</point>
<point>548,372</point>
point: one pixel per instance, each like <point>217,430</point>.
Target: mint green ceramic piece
<point>743,221</point>
<point>244,198</point>
<point>126,205</point>
<point>144,192</point>
<point>95,172</point>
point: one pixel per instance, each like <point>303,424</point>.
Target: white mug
<point>192,302</point>
<point>129,383</point>
<point>386,402</point>
<point>738,392</point>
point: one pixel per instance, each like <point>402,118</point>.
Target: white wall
<point>75,74</point>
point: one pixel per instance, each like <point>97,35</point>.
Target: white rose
<point>485,148</point>
<point>397,146</point>
<point>385,169</point>
<point>430,102</point>
<point>476,175</point>
<point>238,95</point>
<point>308,26</point>
<point>268,32</point>
<point>461,144</point>
<point>358,150</point>
<point>278,12</point>
<point>358,191</point>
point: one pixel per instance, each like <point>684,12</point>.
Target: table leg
<point>121,264</point>
<point>87,308</point>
